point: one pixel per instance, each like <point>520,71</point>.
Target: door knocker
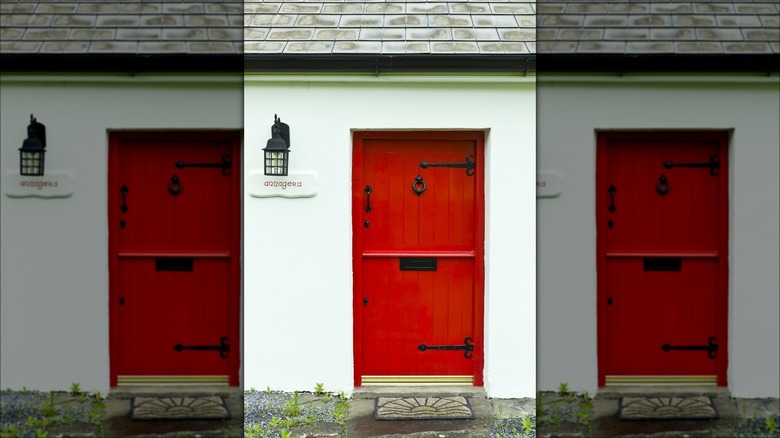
<point>663,186</point>
<point>175,185</point>
<point>419,185</point>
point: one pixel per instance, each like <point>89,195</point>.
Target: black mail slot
<point>173,263</point>
<point>418,263</point>
<point>663,263</point>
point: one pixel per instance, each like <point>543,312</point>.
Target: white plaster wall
<point>298,252</point>
<point>569,112</point>
<point>54,271</point>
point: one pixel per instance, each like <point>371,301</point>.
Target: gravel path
<point>266,414</point>
<point>23,413</point>
<point>511,428</point>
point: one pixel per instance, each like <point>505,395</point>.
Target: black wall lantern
<point>32,152</point>
<point>277,150</point>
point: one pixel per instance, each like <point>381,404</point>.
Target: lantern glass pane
<point>276,163</point>
<point>31,163</point>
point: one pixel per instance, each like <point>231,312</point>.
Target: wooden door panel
<point>442,218</point>
<point>662,254</point>
<point>685,219</point>
<point>174,255</point>
<point>157,219</point>
<point>398,310</point>
<point>653,308</point>
<point>409,308</point>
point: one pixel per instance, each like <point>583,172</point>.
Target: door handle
<point>612,190</point>
<point>368,191</point>
<point>124,191</point>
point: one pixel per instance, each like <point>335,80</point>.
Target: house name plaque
<point>50,185</point>
<point>548,184</point>
<point>301,185</point>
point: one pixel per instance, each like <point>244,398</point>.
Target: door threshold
<point>369,392</point>
<point>128,392</point>
<point>614,392</point>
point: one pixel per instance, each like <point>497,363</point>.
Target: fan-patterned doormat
<point>179,408</point>
<point>667,408</point>
<point>423,408</point>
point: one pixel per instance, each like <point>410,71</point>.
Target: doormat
<point>423,408</point>
<point>179,408</point>
<point>667,408</point>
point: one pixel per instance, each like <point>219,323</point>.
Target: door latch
<point>419,185</point>
<point>663,186</point>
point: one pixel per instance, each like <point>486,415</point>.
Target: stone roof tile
<point>662,27</point>
<point>394,27</point>
<point>389,27</point>
<point>123,27</point>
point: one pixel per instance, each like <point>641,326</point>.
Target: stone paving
<point>739,417</point>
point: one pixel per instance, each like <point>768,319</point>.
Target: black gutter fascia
<point>121,63</point>
<point>376,64</point>
<point>657,63</point>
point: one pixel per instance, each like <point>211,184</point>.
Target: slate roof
<point>121,27</point>
<point>659,27</point>
<point>382,35</point>
<point>390,27</point>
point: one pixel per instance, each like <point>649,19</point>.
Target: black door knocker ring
<point>663,186</point>
<point>419,185</point>
<point>175,185</point>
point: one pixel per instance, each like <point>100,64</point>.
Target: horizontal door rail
<point>679,254</point>
<point>433,253</point>
<point>193,254</point>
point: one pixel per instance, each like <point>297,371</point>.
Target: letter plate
<point>173,263</point>
<point>418,263</point>
<point>662,263</point>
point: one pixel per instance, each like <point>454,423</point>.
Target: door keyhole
<point>122,301</point>
<point>365,301</point>
<point>609,301</point>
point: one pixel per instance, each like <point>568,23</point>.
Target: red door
<point>662,257</point>
<point>418,233</point>
<point>174,205</point>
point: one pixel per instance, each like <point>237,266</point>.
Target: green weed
<point>293,408</point>
<point>527,425</point>
<point>49,408</point>
<point>772,426</point>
